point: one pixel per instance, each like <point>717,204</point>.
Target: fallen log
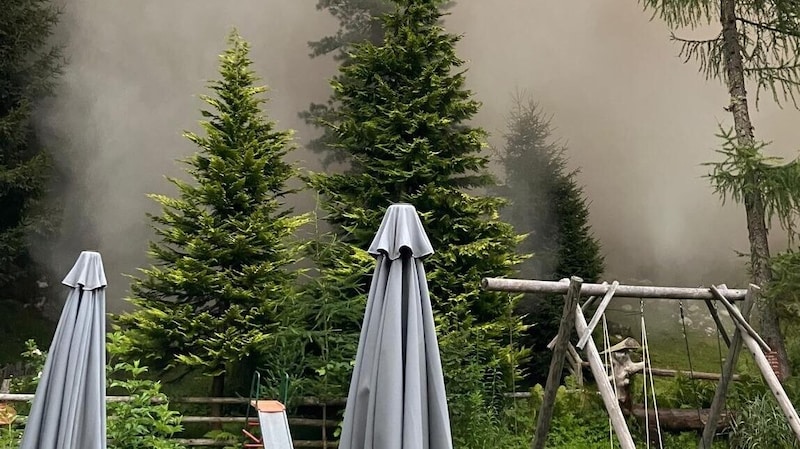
<point>678,419</point>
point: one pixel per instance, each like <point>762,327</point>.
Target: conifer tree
<point>28,67</point>
<point>220,277</point>
<point>402,123</point>
<point>546,203</point>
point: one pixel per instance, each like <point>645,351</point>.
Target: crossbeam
<point>622,291</point>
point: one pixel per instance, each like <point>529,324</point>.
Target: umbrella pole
<point>545,417</point>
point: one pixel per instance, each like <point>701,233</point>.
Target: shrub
<point>140,423</point>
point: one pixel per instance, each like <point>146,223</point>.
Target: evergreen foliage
<point>221,274</point>
<point>359,21</point>
<point>546,200</point>
<point>402,123</point>
<point>548,204</point>
<point>29,65</point>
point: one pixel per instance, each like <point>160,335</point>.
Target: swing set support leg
<point>545,417</point>
<point>721,393</point>
<point>604,386</point>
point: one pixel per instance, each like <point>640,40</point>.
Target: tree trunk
<point>753,200</point>
<point>217,391</point>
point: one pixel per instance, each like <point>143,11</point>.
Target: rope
<point>689,357</point>
<point>648,369</point>
<point>607,354</point>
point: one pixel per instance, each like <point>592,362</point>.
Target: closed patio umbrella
<point>69,408</point>
<point>397,397</point>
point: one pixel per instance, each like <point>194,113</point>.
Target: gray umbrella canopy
<point>397,397</point>
<point>69,409</point>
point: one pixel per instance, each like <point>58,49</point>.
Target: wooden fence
<point>322,426</point>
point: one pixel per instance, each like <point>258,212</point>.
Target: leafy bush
<point>140,423</point>
<point>137,424</point>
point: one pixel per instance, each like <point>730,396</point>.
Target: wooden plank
<point>545,417</point>
<point>721,393</point>
<point>598,314</point>
<point>737,317</point>
<point>623,291</point>
<point>605,388</point>
<point>713,311</point>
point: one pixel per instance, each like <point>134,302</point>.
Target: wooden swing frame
<point>573,316</point>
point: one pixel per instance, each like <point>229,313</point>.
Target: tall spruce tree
<point>402,122</point>
<point>220,277</point>
<point>547,203</point>
<point>29,65</point>
<point>757,42</point>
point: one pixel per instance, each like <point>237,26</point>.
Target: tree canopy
<point>402,122</point>
<point>28,68</point>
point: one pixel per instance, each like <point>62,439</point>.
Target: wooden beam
<point>605,388</point>
<point>737,317</point>
<point>713,311</point>
<point>623,291</point>
<point>598,314</point>
<point>556,364</point>
<point>679,419</point>
<point>721,393</point>
<point>773,382</point>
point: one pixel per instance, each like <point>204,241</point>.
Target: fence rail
<point>322,424</point>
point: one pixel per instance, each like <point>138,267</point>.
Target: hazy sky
<point>636,119</point>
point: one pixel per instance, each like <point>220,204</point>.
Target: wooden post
<point>774,384</point>
<point>721,393</point>
<point>605,388</point>
<point>598,314</point>
<point>556,364</point>
<point>584,307</point>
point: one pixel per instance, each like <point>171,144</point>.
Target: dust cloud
<point>636,119</point>
<point>130,88</point>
